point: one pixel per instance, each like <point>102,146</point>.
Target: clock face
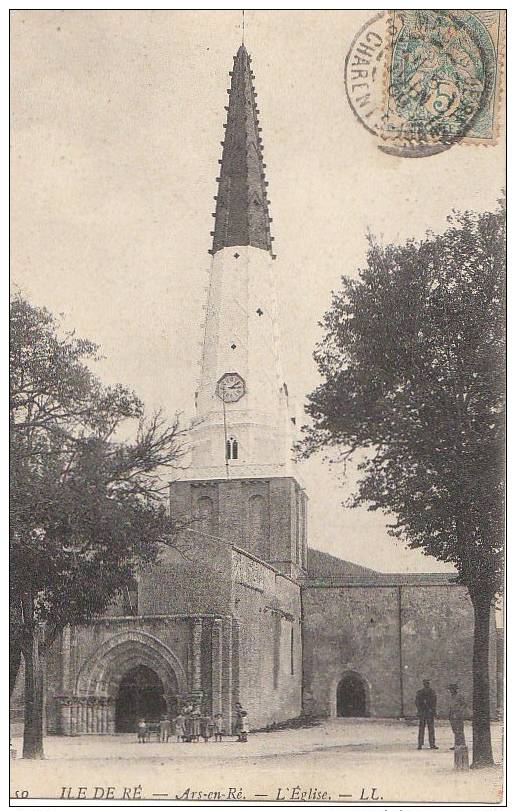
<point>230,387</point>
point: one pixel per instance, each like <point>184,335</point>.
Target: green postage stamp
<point>423,80</point>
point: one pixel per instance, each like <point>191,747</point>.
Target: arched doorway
<point>140,695</point>
<point>352,697</point>
<point>100,679</point>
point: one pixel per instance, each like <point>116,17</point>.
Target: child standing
<point>142,731</point>
<point>204,722</point>
<point>179,727</point>
<point>211,726</point>
<point>196,724</point>
<point>219,727</point>
<point>164,729</point>
<point>244,727</point>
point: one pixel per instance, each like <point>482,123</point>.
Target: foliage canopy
<point>86,508</point>
<point>412,361</point>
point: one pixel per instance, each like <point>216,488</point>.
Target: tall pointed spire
<point>243,425</point>
<point>241,337</point>
<point>242,215</point>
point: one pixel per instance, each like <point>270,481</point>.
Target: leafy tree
<point>86,508</point>
<point>412,362</point>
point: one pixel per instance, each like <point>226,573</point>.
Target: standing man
<point>426,703</point>
<point>196,723</point>
<point>456,714</point>
<point>238,720</point>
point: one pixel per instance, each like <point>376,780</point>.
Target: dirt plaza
<point>342,761</point>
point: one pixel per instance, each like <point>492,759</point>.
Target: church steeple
<point>242,214</point>
<point>241,347</point>
<point>240,475</point>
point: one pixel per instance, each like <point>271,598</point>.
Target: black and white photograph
<point>257,407</point>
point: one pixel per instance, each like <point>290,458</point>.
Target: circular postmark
<point>419,79</point>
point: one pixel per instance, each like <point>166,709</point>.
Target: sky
<point>115,136</point>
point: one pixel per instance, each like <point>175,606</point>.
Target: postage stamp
<point>424,80</point>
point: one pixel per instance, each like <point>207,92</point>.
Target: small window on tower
<point>231,448</point>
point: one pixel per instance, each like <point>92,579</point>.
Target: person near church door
<point>426,704</point>
<point>142,730</point>
<point>207,725</point>
<point>244,727</point>
<point>219,727</point>
<point>179,728</point>
<point>164,729</point>
<point>456,713</point>
<point>238,712</point>
<point>196,724</point>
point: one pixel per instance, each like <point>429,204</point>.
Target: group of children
<point>190,726</point>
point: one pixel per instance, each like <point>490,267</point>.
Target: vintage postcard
<point>257,411</point>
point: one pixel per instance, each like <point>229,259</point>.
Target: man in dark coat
<point>426,703</point>
<point>238,719</point>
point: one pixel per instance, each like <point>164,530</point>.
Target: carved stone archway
<point>91,708</point>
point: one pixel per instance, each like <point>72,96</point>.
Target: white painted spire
<point>242,426</point>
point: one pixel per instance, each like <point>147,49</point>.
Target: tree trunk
<point>14,663</point>
<point>482,750</point>
<point>16,637</point>
<point>33,726</point>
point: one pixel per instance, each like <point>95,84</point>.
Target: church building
<point>247,612</point>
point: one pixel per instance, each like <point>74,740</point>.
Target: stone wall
<point>267,612</point>
<point>392,635</point>
<point>264,516</point>
<point>192,581</point>
<point>263,646</point>
<point>350,630</point>
<point>437,642</point>
<point>217,623</point>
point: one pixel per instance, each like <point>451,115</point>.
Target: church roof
<point>325,571</point>
<point>242,215</point>
<point>321,565</point>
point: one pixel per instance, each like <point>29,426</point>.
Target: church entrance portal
<point>140,695</point>
<point>351,697</point>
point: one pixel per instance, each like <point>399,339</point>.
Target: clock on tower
<point>230,387</point>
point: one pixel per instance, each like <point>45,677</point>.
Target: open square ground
<point>344,761</point>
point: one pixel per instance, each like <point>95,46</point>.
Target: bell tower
<point>241,477</point>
